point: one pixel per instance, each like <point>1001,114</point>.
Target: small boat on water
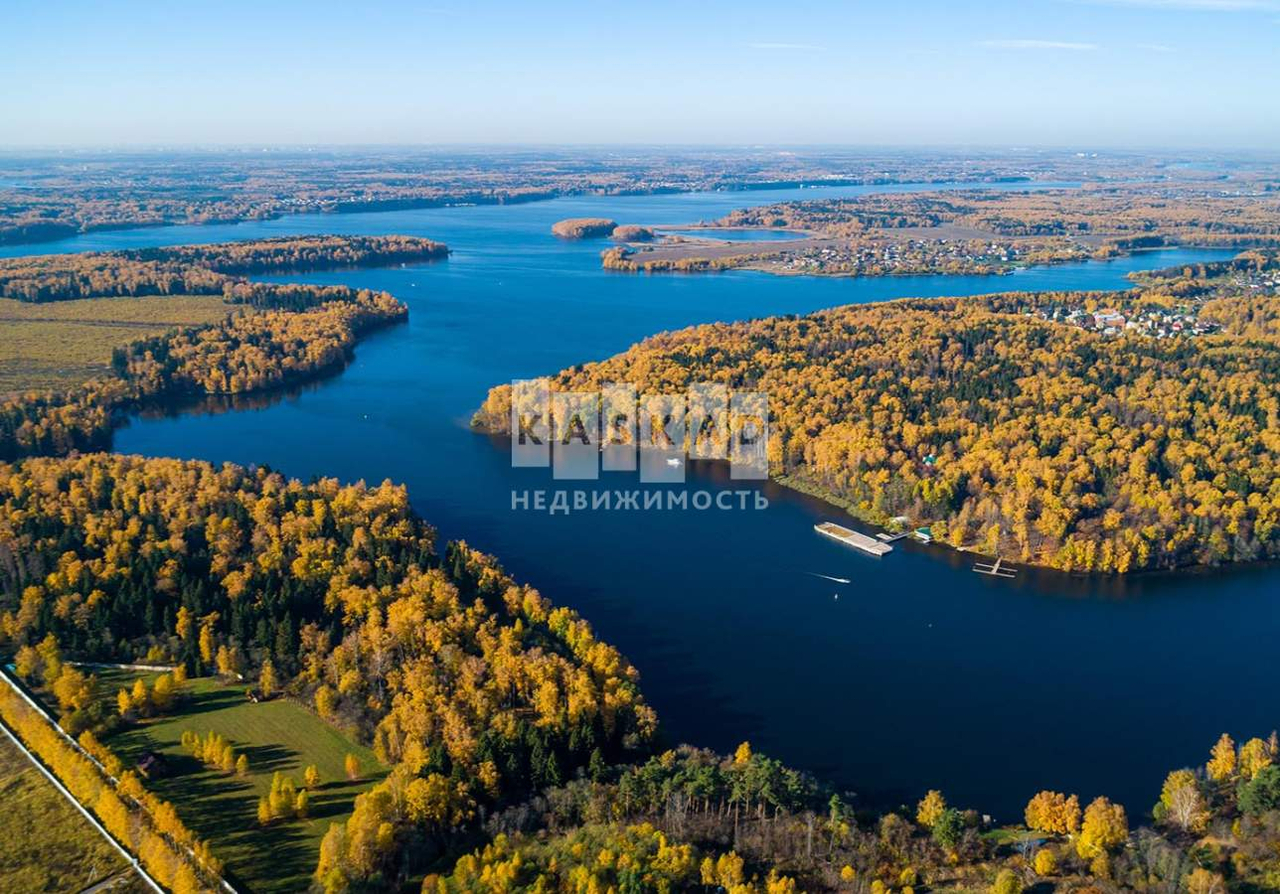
<point>868,545</point>
<point>924,535</point>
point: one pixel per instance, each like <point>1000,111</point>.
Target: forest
<point>285,334</point>
<point>54,197</point>
<point>298,254</point>
<point>474,688</point>
<point>688,819</point>
<point>1005,429</point>
<point>199,269</point>
<point>523,755</point>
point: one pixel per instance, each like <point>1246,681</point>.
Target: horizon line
<point>741,145</point>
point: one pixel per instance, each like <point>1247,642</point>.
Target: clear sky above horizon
<point>1149,73</point>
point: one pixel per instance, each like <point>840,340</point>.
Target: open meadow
<point>64,343</point>
<point>276,736</point>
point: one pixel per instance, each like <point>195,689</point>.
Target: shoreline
<point>800,485</point>
<point>462,200</point>
<point>724,259</point>
<point>817,492</point>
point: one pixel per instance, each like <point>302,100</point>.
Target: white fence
<point>93,820</point>
<point>13,684</point>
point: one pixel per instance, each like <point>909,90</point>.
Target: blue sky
<point>1144,73</point>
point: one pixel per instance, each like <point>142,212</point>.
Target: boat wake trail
<point>839,580</point>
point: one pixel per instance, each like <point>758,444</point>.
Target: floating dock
<point>867,544</point>
<point>993,570</point>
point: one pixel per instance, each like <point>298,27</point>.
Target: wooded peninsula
<point>969,232</point>
<point>271,335</point>
<point>450,729</point>
<point>1106,432</point>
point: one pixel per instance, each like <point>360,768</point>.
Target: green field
<point>64,343</point>
<point>45,844</point>
<point>278,735</point>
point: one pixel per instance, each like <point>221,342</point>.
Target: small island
<point>583,227</point>
<point>633,233</point>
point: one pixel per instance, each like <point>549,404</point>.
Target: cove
<point>920,675</point>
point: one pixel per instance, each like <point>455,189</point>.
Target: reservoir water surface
<point>919,675</point>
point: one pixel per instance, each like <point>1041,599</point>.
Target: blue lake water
<point>920,675</point>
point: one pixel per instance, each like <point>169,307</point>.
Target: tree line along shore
<point>45,198</point>
<point>520,752</point>
<point>967,232</point>
<point>1097,432</point>
<point>271,335</point>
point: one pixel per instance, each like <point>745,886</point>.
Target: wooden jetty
<point>993,570</point>
<point>868,545</point>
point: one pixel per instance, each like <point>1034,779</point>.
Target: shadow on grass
<point>334,802</point>
<point>222,809</point>
<point>267,758</point>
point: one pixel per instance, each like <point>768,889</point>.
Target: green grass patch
<point>45,844</point>
<point>112,679</point>
<point>65,343</point>
<point>1014,835</point>
<point>279,735</point>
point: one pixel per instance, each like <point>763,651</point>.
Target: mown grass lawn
<point>61,344</point>
<point>45,844</point>
<point>277,735</point>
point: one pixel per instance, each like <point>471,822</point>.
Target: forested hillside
<point>1102,432</point>
<point>283,333</point>
<point>199,269</point>
<point>475,688</point>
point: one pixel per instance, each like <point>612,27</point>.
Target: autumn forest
<point>251,680</point>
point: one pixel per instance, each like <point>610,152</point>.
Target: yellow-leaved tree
<point>1181,802</point>
<point>1255,755</point>
<point>930,809</point>
<point>1104,829</point>
<point>1222,760</point>
<point>1053,812</point>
